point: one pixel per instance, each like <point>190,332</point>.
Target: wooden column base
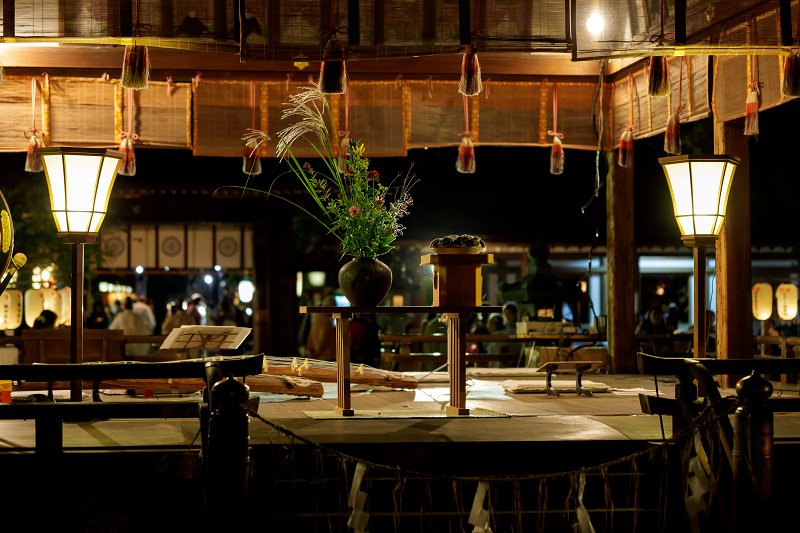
<point>344,412</point>
<point>452,410</point>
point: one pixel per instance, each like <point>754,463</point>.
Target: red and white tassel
<point>251,162</point>
<point>626,147</point>
<point>127,166</point>
<point>672,136</point>
<point>471,84</point>
<point>135,68</point>
<point>557,157</point>
<point>466,156</point>
<point>33,161</point>
<point>751,111</point>
<point>343,146</point>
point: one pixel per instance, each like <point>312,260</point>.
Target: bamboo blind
<point>162,115</point>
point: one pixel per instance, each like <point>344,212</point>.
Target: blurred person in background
<point>141,308</point>
<point>131,324</point>
<point>98,319</point>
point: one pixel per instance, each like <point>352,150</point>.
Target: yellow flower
<point>358,149</point>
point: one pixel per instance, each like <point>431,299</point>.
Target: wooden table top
<point>418,309</point>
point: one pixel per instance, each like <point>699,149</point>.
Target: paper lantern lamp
<point>11,309</point>
<point>34,305</point>
<point>762,301</point>
<point>787,301</point>
<point>51,303</point>
<point>65,306</point>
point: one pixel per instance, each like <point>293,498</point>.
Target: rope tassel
<point>658,79</point>
<point>626,139</point>
<point>127,166</point>
<point>557,154</point>
<point>345,135</point>
<point>466,152</point>
<point>33,161</point>
<point>751,110</point>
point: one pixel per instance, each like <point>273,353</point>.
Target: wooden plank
<point>420,309</point>
<point>734,319</point>
<point>621,258</point>
<point>328,375</point>
<point>291,385</point>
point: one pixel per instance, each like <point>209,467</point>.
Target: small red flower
<point>354,211</point>
<point>373,175</point>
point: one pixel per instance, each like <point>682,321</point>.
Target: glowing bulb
<point>217,268</point>
<point>208,279</point>
<point>45,275</point>
<point>248,311</point>
<point>139,269</point>
<point>594,24</point>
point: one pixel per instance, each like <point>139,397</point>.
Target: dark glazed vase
<point>365,282</point>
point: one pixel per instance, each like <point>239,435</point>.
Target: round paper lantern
<point>11,309</point>
<point>787,301</point>
<point>51,303</point>
<point>762,301</point>
<point>65,306</point>
<point>34,305</point>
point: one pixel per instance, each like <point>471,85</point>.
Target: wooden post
<point>699,301</point>
<point>456,356</point>
<point>621,267</point>
<point>76,337</point>
<point>343,407</point>
<point>734,319</point>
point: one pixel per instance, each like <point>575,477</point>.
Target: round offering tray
<point>460,251</point>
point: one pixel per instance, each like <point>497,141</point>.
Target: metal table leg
<point>549,385</point>
<point>579,385</point>
<point>343,365</point>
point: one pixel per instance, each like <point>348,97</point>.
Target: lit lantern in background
<point>51,302</point>
<point>65,306</point>
<point>762,301</point>
<point>787,301</point>
<point>34,305</point>
<point>11,309</point>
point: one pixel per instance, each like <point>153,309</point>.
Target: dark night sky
<point>511,197</point>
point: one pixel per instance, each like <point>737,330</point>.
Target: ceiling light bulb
<point>594,24</point>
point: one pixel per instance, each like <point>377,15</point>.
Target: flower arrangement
<point>360,211</point>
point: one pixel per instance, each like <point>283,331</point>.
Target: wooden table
<point>456,347</point>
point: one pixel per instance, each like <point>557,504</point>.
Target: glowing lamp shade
<point>762,301</point>
<point>34,305</point>
<point>787,301</point>
<point>11,309</point>
<point>80,181</point>
<point>699,185</point>
<point>65,306</point>
<point>246,291</point>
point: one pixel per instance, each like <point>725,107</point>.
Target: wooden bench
<point>568,367</point>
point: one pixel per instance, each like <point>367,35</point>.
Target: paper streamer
<point>478,516</point>
<point>699,486</point>
<point>584,522</point>
<point>359,518</point>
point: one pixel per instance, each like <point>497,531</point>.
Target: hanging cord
<point>398,81</point>
<point>326,35</point>
<point>554,131</point>
<point>754,77</point>
<point>138,26</point>
<point>346,130</point>
<point>105,77</point>
<point>429,85</point>
<point>661,37</point>
<point>631,89</point>
<point>288,81</point>
<point>197,79</point>
<point>476,32</point>
<point>678,109</point>
<point>129,133</point>
<point>466,118</point>
<point>486,86</point>
<point>33,130</point>
<point>252,105</point>
<point>169,85</point>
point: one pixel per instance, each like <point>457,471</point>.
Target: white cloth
<point>132,324</point>
<point>144,311</point>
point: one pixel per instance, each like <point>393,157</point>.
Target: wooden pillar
<point>734,319</point>
<point>343,406</point>
<point>621,256</point>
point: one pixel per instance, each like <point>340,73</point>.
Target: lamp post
<point>699,185</point>
<point>79,181</point>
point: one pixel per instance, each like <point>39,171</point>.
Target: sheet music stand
<point>206,337</point>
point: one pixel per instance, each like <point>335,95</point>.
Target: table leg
<point>343,366</point>
<point>456,347</point>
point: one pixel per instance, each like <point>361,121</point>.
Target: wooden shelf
<point>419,309</point>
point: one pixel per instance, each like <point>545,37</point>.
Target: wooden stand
<point>456,348</point>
